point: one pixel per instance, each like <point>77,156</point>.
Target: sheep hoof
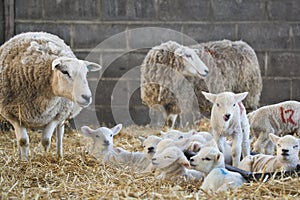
<point>46,144</point>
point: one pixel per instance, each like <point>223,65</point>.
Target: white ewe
<point>210,161</point>
<point>228,118</point>
<point>42,84</point>
<point>104,150</point>
<point>280,119</point>
<point>286,158</point>
<point>171,163</point>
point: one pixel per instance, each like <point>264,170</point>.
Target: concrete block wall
<point>271,27</point>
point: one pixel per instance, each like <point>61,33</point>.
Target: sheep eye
<point>180,137</point>
<point>206,158</point>
<point>296,146</point>
<point>218,105</point>
<point>188,55</point>
<point>278,145</point>
<point>111,135</point>
<point>65,72</point>
<point>233,105</point>
<point>97,136</point>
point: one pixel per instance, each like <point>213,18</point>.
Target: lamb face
<point>225,106</point>
<point>207,159</point>
<point>149,145</point>
<point>102,137</point>
<point>287,148</point>
<point>193,65</point>
<point>168,157</point>
<point>69,79</point>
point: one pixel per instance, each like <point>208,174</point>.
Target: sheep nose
<point>153,159</point>
<point>206,71</point>
<point>192,160</point>
<point>285,150</point>
<point>151,149</point>
<point>106,142</point>
<point>226,117</point>
<point>86,98</point>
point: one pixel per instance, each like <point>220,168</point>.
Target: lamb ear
<point>163,133</point>
<point>56,63</point>
<point>218,156</point>
<point>87,131</point>
<point>116,129</point>
<point>274,138</point>
<point>184,162</point>
<point>142,139</point>
<point>209,96</point>
<point>179,52</point>
<point>240,96</point>
<point>92,67</point>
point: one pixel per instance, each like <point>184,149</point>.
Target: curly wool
<point>162,82</point>
<point>25,84</point>
<point>235,66</point>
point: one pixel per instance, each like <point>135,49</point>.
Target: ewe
<point>104,150</point>
<point>42,84</point>
<point>228,118</point>
<point>285,160</point>
<point>210,161</point>
<point>280,119</point>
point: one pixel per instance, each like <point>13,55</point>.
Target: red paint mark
<point>241,106</point>
<point>210,51</point>
<point>289,118</point>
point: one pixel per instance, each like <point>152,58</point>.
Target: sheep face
<point>102,137</point>
<point>207,159</point>
<point>168,157</point>
<point>287,147</point>
<point>225,105</point>
<point>149,145</point>
<point>175,134</point>
<point>193,65</point>
<point>69,79</point>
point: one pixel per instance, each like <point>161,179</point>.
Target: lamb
<point>228,118</point>
<point>104,150</point>
<point>164,79</point>
<point>233,63</point>
<point>281,119</point>
<point>285,160</point>
<point>149,145</point>
<point>170,163</point>
<point>210,162</point>
<point>42,84</point>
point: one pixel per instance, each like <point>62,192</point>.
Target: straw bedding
<point>80,176</point>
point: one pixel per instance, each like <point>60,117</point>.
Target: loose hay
<point>80,176</point>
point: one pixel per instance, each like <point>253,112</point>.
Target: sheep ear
<point>56,63</point>
<point>179,52</point>
<point>116,129</point>
<point>218,156</point>
<point>142,139</point>
<point>274,138</point>
<point>184,162</point>
<point>240,96</point>
<point>163,133</point>
<point>92,67</point>
<point>87,131</point>
<point>209,96</point>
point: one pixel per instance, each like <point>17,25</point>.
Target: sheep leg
<point>22,140</point>
<point>59,139</point>
<point>259,144</point>
<point>236,149</point>
<point>245,144</point>
<point>47,134</point>
<point>220,142</point>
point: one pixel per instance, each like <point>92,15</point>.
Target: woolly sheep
<point>235,65</point>
<point>42,84</point>
<point>228,118</point>
<point>210,161</point>
<point>104,150</point>
<point>281,119</point>
<point>164,75</point>
<point>285,160</point>
<point>171,163</point>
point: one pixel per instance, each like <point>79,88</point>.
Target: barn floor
<point>80,176</point>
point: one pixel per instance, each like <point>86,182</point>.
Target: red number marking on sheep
<point>289,118</point>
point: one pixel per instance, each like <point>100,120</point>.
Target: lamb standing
<point>286,159</point>
<point>210,161</point>
<point>104,150</point>
<point>42,84</point>
<point>228,118</point>
<point>281,119</point>
<point>164,75</point>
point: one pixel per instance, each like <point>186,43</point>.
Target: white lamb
<point>171,163</point>
<point>149,145</point>
<point>210,161</point>
<point>42,84</point>
<point>228,118</point>
<point>285,160</point>
<point>104,150</point>
<point>280,119</point>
